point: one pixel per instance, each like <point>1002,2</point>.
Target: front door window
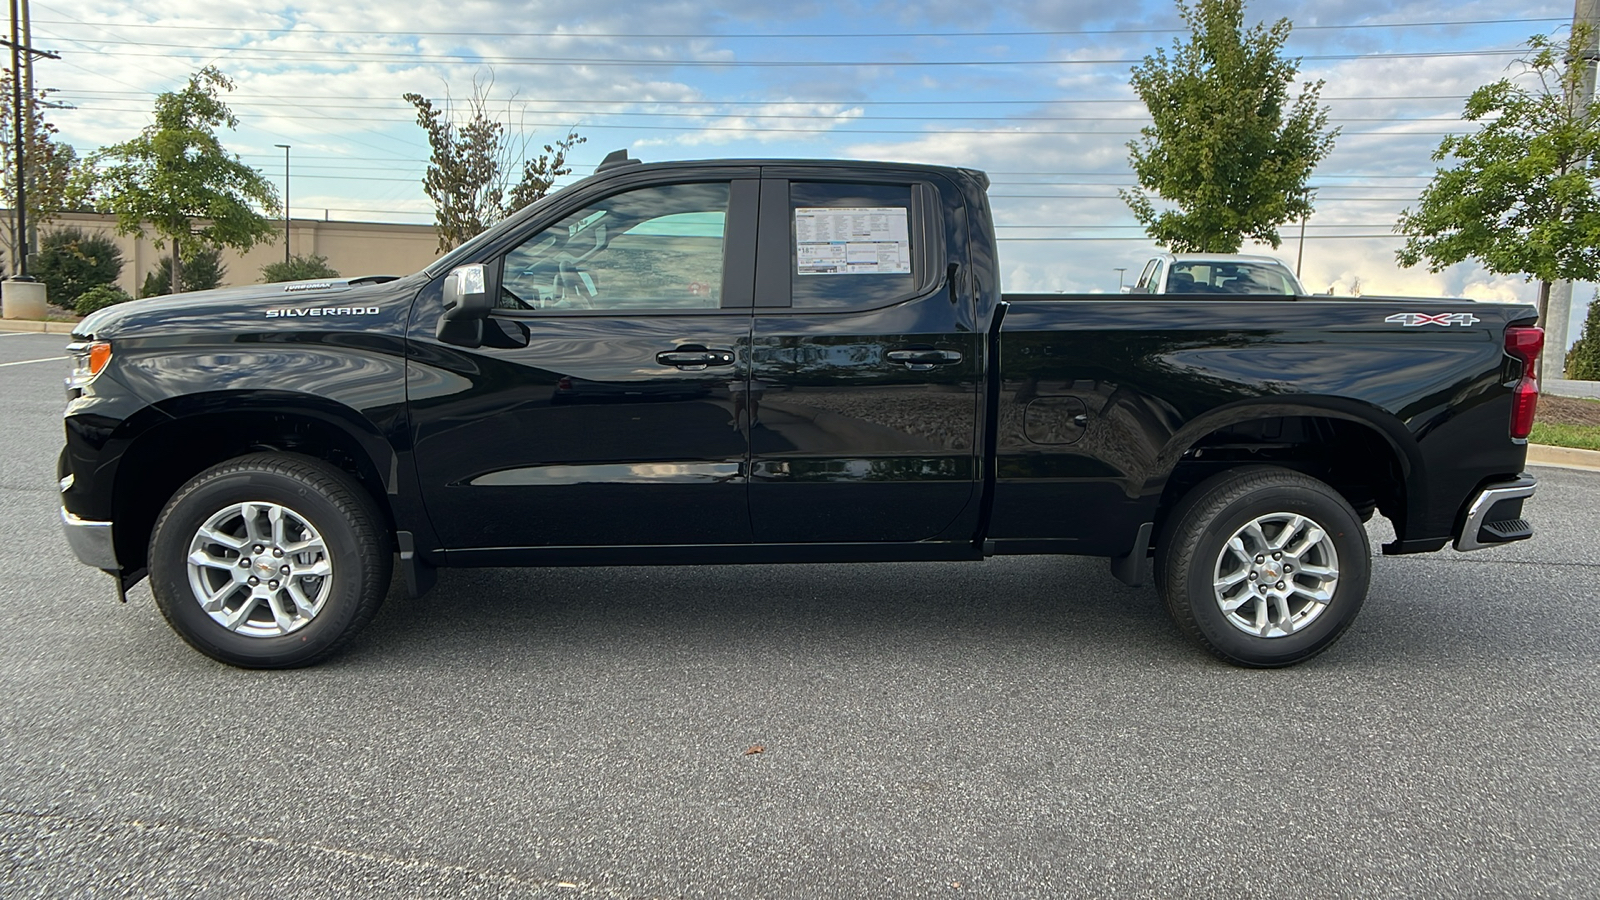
<point>656,248</point>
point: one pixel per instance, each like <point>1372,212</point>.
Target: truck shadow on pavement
<point>1071,605</point>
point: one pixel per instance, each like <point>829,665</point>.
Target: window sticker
<point>852,240</point>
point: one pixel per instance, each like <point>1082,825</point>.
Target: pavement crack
<point>1423,557</point>
<point>333,850</point>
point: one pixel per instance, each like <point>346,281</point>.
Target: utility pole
<point>17,113</point>
<point>1559,310</point>
<point>22,54</point>
<point>285,202</point>
<point>28,236</point>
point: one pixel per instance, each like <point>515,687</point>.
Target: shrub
<point>70,262</point>
<point>1583,360</point>
<point>99,297</point>
<point>202,273</point>
<point>300,268</point>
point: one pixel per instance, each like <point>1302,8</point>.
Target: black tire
<point>1191,559</point>
<point>308,494</point>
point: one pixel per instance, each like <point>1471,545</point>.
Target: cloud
<point>327,78</point>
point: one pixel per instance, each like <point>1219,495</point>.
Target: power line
<point>767,129</point>
<point>1147,240</point>
<point>785,35</point>
<point>1130,99</point>
<point>836,117</point>
<point>276,54</point>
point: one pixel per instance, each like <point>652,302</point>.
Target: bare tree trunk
<point>1544,314</point>
<point>176,284</point>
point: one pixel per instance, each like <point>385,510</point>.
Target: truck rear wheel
<point>1263,566</point>
<point>269,561</point>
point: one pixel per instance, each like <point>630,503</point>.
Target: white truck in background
<point>1216,273</point>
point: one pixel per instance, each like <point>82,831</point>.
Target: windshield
<point>1218,277</point>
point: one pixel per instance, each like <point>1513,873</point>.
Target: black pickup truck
<point>758,361</point>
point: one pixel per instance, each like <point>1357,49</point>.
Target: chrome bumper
<point>1478,532</point>
<point>91,541</point>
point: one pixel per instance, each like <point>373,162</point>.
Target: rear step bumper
<point>1495,515</point>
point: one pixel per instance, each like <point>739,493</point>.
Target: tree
<point>1583,361</point>
<point>1227,148</point>
<point>202,272</point>
<point>1521,196</point>
<point>300,268</point>
<point>49,164</point>
<point>176,176</point>
<point>470,171</point>
<point>70,262</point>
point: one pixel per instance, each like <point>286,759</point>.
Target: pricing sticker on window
<point>852,240</point>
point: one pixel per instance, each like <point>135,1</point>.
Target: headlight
<point>89,358</point>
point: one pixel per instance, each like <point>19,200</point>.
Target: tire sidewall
<point>169,575</point>
<point>1335,518</point>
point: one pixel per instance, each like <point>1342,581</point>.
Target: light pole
<point>1119,270</point>
<point>285,202</point>
<point>1300,254</point>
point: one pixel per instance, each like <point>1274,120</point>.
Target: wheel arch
<point>1362,451</point>
<point>196,431</point>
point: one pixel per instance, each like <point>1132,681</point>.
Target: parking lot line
<point>23,362</point>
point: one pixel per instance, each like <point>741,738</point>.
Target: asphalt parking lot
<point>1024,727</point>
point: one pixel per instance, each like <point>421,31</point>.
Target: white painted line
<point>21,333</point>
<point>23,362</point>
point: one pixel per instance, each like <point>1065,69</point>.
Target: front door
<point>602,408</point>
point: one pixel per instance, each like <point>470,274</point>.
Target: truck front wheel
<point>1263,566</point>
<point>269,561</point>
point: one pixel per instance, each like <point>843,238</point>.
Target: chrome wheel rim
<point>260,569</point>
<point>1276,575</point>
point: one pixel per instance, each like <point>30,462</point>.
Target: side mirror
<point>467,302</point>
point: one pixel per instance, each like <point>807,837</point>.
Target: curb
<point>1565,457</point>
<point>28,326</point>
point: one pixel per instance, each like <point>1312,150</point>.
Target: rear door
<point>862,403</point>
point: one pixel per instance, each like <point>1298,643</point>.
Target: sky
<point>1032,91</point>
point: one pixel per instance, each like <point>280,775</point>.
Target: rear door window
<point>852,245</point>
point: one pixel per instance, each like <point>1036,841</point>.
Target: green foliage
<point>99,297</point>
<point>70,262</point>
<point>49,165</point>
<point>299,268</point>
<point>176,176</point>
<point>1520,197</point>
<point>202,272</point>
<point>1227,146</point>
<point>472,164</point>
<point>1579,437</point>
<point>1583,360</point>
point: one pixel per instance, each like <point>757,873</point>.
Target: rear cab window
<point>853,245</point>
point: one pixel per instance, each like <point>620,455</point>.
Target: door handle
<point>694,358</point>
<point>921,359</point>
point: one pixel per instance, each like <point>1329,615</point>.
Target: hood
<point>253,300</point>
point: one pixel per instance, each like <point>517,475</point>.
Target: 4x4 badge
<point>1412,320</point>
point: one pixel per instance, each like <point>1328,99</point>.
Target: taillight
<point>1524,342</point>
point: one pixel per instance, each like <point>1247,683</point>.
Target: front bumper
<point>1495,515</point>
<point>91,541</point>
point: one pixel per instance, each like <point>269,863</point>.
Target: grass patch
<point>1581,437</point>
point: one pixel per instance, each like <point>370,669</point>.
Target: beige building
<point>352,248</point>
